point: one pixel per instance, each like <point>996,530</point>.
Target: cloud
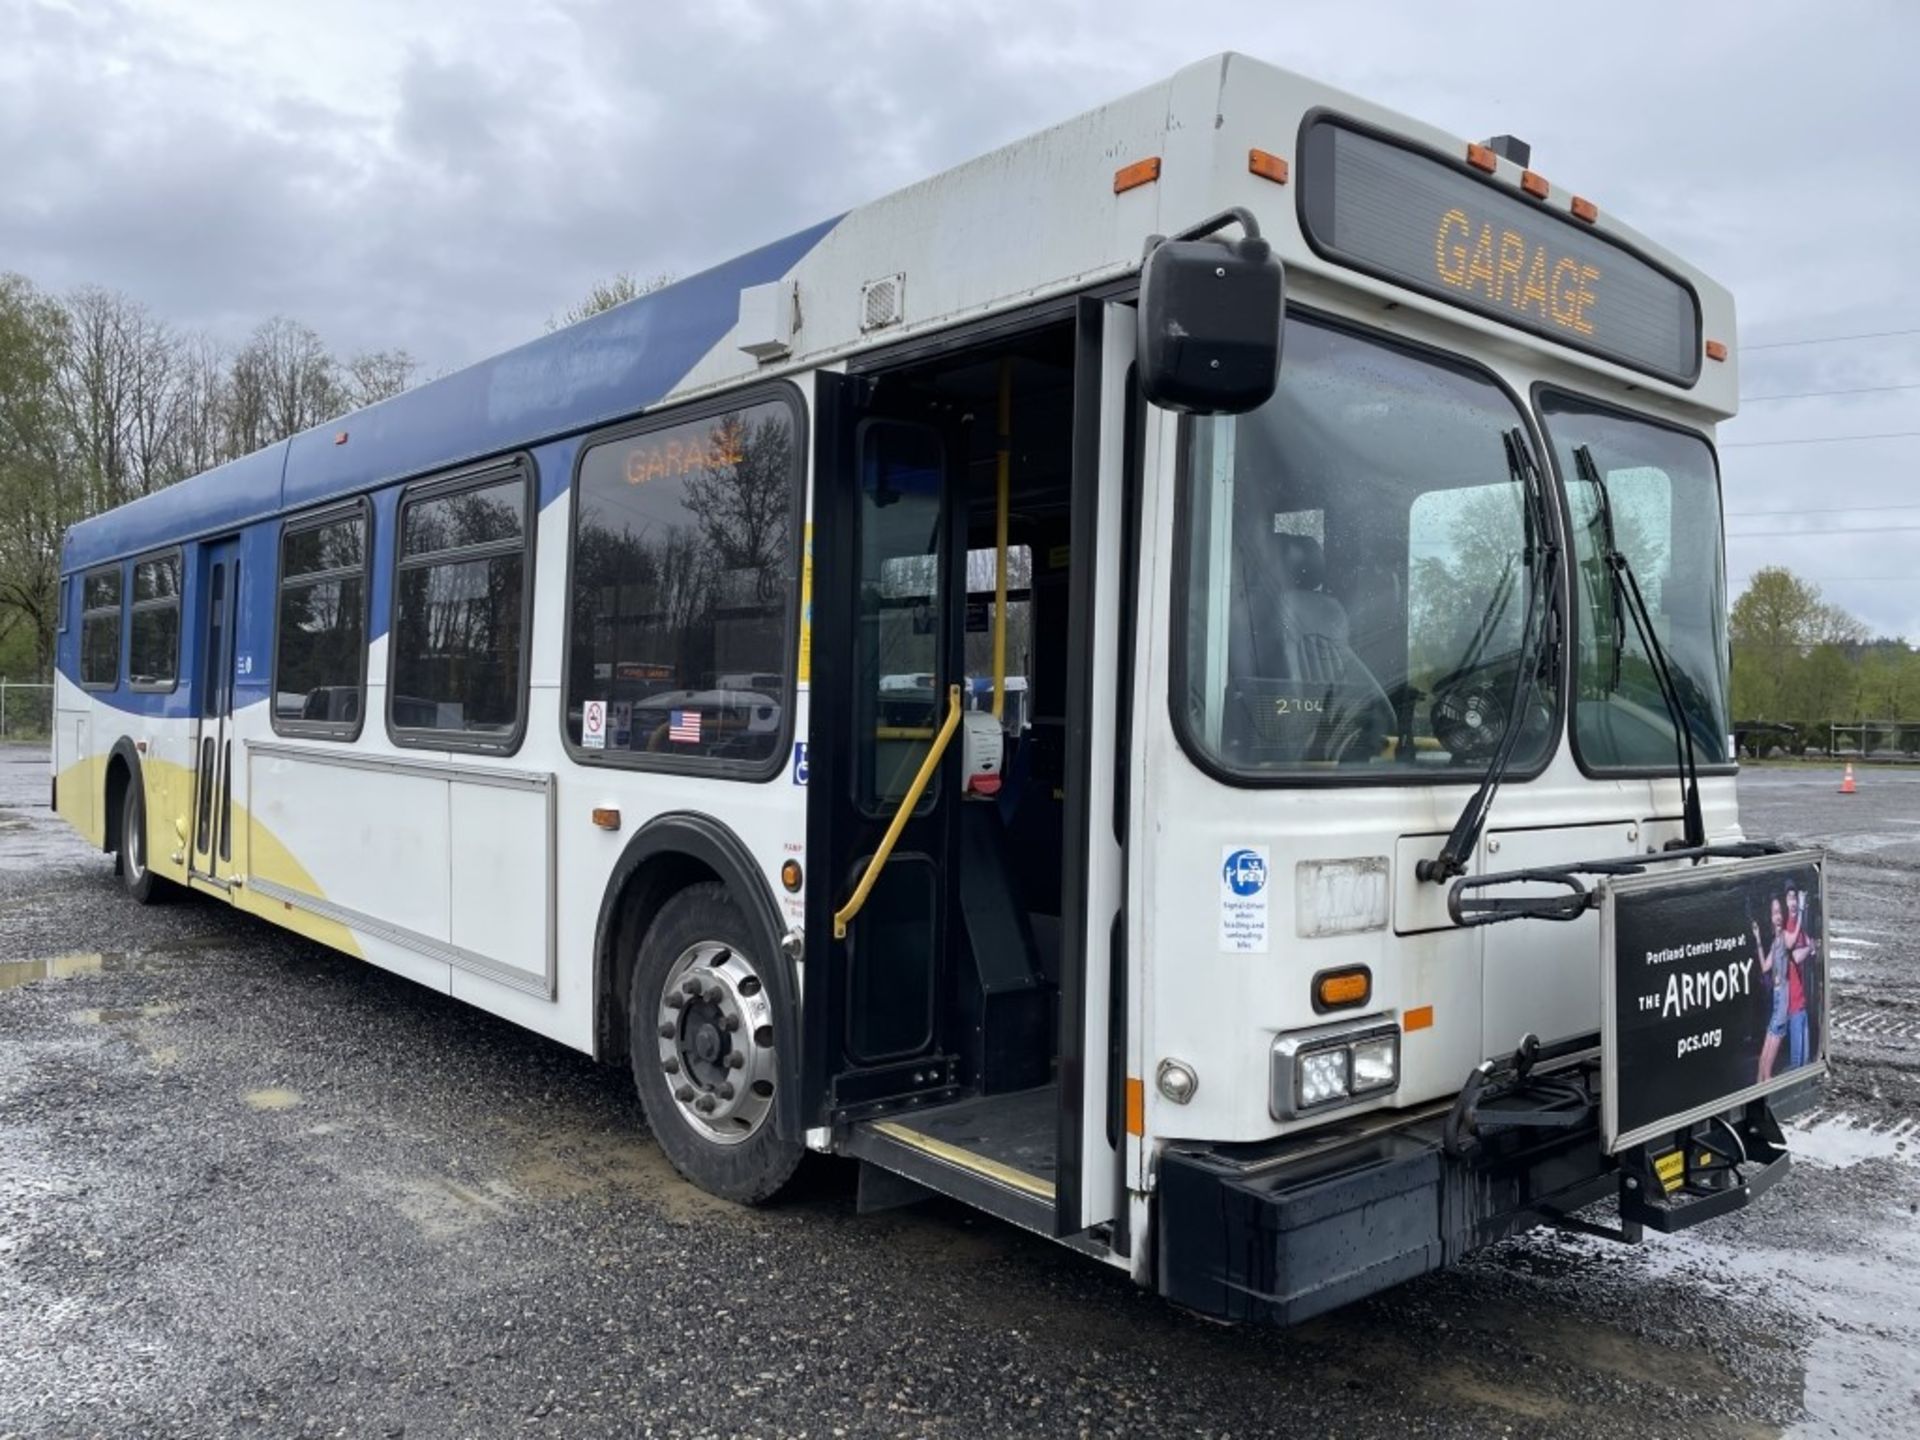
<point>445,178</point>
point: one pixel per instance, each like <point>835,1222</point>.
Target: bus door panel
<point>886,646</point>
<point>212,818</point>
<point>1092,1140</point>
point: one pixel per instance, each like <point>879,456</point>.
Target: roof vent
<point>1509,147</point>
<point>883,302</point>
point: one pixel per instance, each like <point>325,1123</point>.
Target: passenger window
<point>153,649</point>
<point>100,628</point>
<point>320,643</point>
<point>685,571</point>
<point>459,615</point>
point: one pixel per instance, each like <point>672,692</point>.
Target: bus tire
<point>130,860</point>
<point>701,1041</point>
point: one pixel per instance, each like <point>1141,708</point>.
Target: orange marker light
<point>1481,158</point>
<point>607,817</point>
<point>1534,184</point>
<point>1132,177</point>
<point>1716,350</point>
<point>1136,1106</point>
<point>1586,210</point>
<point>1418,1018</point>
<point>1267,166</point>
<point>790,875</point>
<point>1342,989</point>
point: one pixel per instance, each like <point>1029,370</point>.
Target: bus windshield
<point>1356,572</point>
<point>1665,499</point>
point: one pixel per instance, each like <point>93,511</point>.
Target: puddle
<point>1840,1142</point>
<point>54,967</point>
<point>96,962</point>
<point>445,1208</point>
<point>273,1097</point>
<point>125,1015</point>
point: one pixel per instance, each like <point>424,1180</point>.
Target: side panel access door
<point>886,647</point>
<point>1093,968</point>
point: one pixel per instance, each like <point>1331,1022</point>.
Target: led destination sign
<point>1416,220</point>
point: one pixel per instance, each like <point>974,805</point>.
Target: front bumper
<point>1281,1232</point>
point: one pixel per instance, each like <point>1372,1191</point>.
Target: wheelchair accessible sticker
<point>1243,899</point>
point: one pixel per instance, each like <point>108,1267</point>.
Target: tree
<point>617,289</point>
<point>39,494</point>
<point>1773,625</point>
<point>375,375</point>
<point>283,381</point>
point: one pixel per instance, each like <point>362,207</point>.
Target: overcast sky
<point>444,177</point>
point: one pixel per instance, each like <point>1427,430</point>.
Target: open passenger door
<point>919,966</point>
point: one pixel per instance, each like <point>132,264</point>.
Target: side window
<point>685,573</point>
<point>100,628</point>
<point>460,614</point>
<point>153,645</point>
<point>320,635</point>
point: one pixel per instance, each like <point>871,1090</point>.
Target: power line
<point>1813,534</point>
<point>1811,394</point>
<point>1823,510</point>
<point>1829,339</point>
<point>1820,439</point>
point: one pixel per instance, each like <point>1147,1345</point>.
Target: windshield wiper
<point>1627,598</point>
<point>1541,558</point>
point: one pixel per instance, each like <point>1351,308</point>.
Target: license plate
<point>1713,990</point>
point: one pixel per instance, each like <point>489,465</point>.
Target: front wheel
<point>135,874</point>
<point>701,1028</point>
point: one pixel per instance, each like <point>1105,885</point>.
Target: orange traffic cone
<point>1846,781</point>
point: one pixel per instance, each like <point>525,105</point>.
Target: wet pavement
<point>248,1187</point>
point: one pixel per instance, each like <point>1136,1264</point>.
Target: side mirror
<point>1210,313</point>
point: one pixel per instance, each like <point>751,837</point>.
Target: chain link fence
<point>26,709</point>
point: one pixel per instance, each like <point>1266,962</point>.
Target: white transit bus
<point>1169,682</point>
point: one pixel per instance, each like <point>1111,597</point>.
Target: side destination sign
<point>1421,221</point>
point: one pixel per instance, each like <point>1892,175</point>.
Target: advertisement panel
<point>1713,990</point>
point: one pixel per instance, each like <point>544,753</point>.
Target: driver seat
<point>1314,631</point>
<point>1293,657</point>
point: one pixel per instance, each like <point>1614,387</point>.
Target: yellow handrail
<point>844,915</point>
<point>1002,477</point>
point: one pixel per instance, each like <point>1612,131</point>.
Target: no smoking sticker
<point>593,725</point>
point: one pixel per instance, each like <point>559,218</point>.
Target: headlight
<point>1318,1070</point>
<point>1376,1063</point>
<point>1323,1076</point>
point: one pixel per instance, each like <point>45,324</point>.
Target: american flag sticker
<point>683,727</point>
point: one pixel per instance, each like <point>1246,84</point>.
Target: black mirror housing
<point>1210,313</point>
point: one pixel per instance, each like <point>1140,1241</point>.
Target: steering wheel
<point>1360,716</point>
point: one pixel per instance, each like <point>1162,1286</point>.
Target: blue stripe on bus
<point>600,370</point>
<point>606,367</point>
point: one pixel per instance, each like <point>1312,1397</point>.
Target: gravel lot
<point>248,1187</point>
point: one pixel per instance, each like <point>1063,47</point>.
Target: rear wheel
<point>701,1023</point>
<point>135,874</point>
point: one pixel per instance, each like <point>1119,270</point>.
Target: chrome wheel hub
<point>714,1029</point>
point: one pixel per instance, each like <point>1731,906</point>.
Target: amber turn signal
<point>1267,166</point>
<point>1342,989</point>
<point>607,817</point>
<point>1140,172</point>
<point>1716,350</point>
